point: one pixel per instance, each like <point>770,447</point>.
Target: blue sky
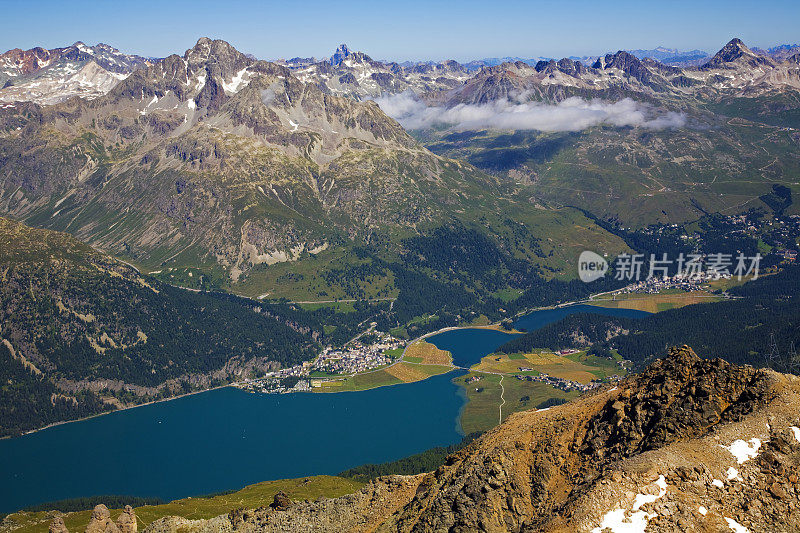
<point>402,29</point>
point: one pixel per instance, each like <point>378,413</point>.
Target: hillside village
<point>366,352</point>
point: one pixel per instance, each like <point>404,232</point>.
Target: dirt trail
<point>503,402</point>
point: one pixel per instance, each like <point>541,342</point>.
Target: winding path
<point>502,392</point>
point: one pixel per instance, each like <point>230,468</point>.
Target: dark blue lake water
<point>226,439</point>
<point>468,346</point>
<point>541,318</point>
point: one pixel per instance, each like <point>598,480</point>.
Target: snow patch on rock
<point>736,526</point>
<point>744,450</point>
<point>634,521</point>
<point>236,82</point>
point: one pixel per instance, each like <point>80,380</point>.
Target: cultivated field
<point>576,367</point>
<point>653,303</point>
<point>409,373</point>
<point>401,372</point>
<point>428,354</point>
<point>365,381</point>
<point>482,412</point>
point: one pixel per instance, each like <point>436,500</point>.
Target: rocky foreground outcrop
<point>101,522</point>
<point>687,445</point>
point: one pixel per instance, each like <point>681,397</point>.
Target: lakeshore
<point>266,436</point>
<point>117,410</point>
<point>593,300</point>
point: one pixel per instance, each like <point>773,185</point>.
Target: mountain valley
<point>211,220</point>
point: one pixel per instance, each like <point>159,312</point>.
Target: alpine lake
<point>226,438</point>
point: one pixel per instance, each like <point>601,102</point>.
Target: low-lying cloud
<point>573,114</point>
<point>267,96</point>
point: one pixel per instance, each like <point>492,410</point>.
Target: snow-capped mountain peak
<point>48,76</point>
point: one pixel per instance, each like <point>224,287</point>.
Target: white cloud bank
<point>573,114</point>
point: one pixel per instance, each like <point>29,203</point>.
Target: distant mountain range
<point>780,53</point>
<point>665,55</point>
<point>50,76</point>
<point>673,56</point>
<point>355,74</point>
<point>735,69</point>
<point>666,168</point>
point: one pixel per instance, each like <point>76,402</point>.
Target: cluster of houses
<point>566,385</point>
<point>782,233</point>
<point>274,385</point>
<point>657,284</point>
<point>789,256</point>
<point>356,356</point>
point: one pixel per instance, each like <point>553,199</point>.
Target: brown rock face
<point>27,61</point>
<point>57,526</point>
<point>126,523</point>
<point>101,521</point>
<point>281,502</point>
<point>678,397</point>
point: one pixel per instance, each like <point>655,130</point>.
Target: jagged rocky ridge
<point>356,75</point>
<point>221,160</point>
<point>688,445</point>
<point>734,71</point>
<point>50,76</point>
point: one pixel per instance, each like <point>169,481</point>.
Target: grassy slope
<point>482,412</point>
<point>341,273</point>
<point>427,353</point>
<point>576,367</point>
<point>196,508</point>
